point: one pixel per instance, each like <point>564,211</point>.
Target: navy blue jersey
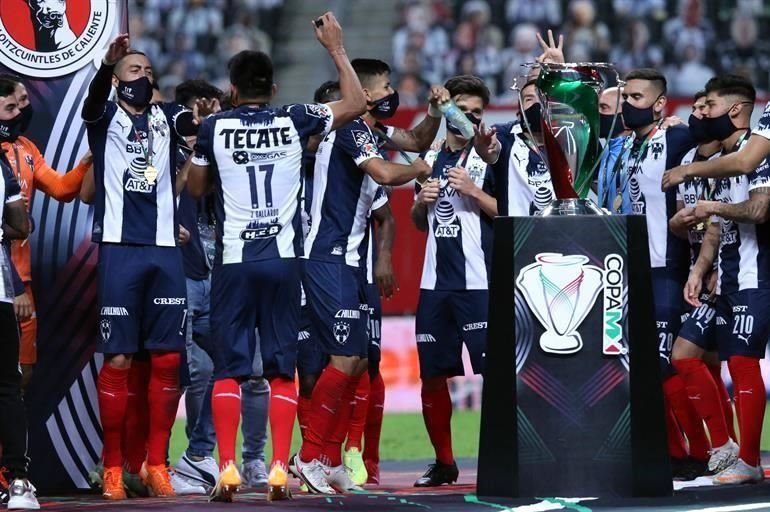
<point>645,171</point>
<point>689,193</point>
<point>342,195</point>
<point>255,154</point>
<point>129,208</point>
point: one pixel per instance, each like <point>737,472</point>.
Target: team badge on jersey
<point>105,329</point>
<point>341,331</point>
<point>52,38</point>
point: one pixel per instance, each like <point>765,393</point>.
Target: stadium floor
<point>397,494</point>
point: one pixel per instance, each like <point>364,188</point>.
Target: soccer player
<point>456,207</point>
<point>253,155</point>
<point>740,209</point>
<point>32,172</point>
<point>609,178</point>
<point>348,169</point>
<point>140,276</point>
<point>694,354</point>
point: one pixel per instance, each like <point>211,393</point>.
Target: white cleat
<point>314,475</point>
<point>339,479</point>
<point>740,473</point>
<point>198,472</point>
<point>22,495</point>
<point>183,487</point>
<point>723,457</point>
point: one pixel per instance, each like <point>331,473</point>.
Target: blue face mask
<point>137,93</point>
<point>697,129</point>
<point>385,107</point>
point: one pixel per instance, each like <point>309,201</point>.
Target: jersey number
<point>268,192</point>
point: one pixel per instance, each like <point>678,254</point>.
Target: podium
<point>572,402</point>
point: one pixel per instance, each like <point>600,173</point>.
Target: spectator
<point>544,14</point>
<point>639,9</point>
<point>636,50</point>
<point>412,90</point>
<point>197,20</point>
<point>421,34</point>
<point>688,29</point>
<point>744,54</point>
<point>524,48</point>
<point>691,74</point>
<point>586,39</point>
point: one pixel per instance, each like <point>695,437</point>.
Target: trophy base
<point>572,207</point>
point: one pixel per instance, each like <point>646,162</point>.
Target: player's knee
<point>119,361</point>
<point>685,349</point>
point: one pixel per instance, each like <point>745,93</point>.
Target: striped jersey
<point>10,191</point>
<point>522,181</point>
<point>343,194</point>
<point>129,208</point>
<point>255,155</point>
<point>689,193</point>
<point>644,165</point>
<point>744,249</point>
<point>370,244</point>
<point>458,249</point>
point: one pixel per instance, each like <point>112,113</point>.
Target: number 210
<point>268,189</point>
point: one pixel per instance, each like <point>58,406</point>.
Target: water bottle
<point>457,117</point>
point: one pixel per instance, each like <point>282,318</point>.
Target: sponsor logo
<point>303,335</point>
<point>341,332</point>
<point>114,311</point>
<point>257,231</point>
<point>256,138</point>
<point>362,138</point>
<point>240,157</point>
<point>105,329</point>
<point>315,110</point>
<point>562,289</point>
<point>337,250</point>
<point>348,313</point>
<point>169,301</point>
<point>475,326</point>
<point>52,38</point>
<point>425,338</point>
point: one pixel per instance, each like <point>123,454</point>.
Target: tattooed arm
<point>755,210</point>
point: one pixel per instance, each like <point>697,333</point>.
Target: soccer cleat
<point>112,484</point>
<point>313,474</point>
<point>158,480</point>
<point>438,474</point>
<point>278,483</point>
<point>355,462</point>
<point>134,485</point>
<point>95,476</point>
<point>339,479</point>
<point>685,470</point>
<point>723,457</point>
<point>740,473</point>
<point>4,485</point>
<point>198,472</point>
<point>22,495</point>
<point>183,487</point>
<point>373,470</point>
<point>228,483</point>
<point>254,474</point>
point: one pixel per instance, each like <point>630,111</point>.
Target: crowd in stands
<point>690,40</point>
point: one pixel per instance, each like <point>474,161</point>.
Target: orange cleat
<point>158,480</point>
<point>112,484</point>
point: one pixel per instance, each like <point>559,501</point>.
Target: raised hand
<point>328,32</point>
<point>117,50</point>
<point>552,52</point>
<point>204,107</point>
<point>438,95</point>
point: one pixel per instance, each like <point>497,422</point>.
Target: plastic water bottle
<point>457,117</point>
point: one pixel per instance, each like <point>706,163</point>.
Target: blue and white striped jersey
<point>459,246</point>
<point>255,154</point>
<point>690,192</point>
<point>343,194</point>
<point>129,208</point>
<point>744,249</point>
<point>645,171</point>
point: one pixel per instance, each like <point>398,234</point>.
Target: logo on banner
<point>51,38</point>
<point>562,289</point>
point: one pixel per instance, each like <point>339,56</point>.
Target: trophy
<point>569,96</point>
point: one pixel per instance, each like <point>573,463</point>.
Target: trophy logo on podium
<point>560,290</point>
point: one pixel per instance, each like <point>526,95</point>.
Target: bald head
<point>610,101</point>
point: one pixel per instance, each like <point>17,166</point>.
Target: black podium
<point>572,402</point>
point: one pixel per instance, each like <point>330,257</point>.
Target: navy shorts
<point>252,295</point>
<point>142,299</point>
<point>375,327</point>
<point>669,307</point>
<point>311,359</point>
<point>743,323</point>
<point>699,327</point>
<point>446,319</point>
<point>336,294</point>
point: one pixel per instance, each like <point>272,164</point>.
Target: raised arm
<point>99,90</point>
<point>389,173</point>
<point>754,210</point>
<point>419,138</point>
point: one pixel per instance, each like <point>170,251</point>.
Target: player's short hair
<point>130,53</point>
<point>529,83</point>
<point>326,92</point>
<point>732,85</point>
<point>193,89</point>
<point>251,72</point>
<point>698,95</point>
<point>651,75</point>
<point>11,77</point>
<point>367,69</point>
<point>470,85</point>
<point>7,87</point>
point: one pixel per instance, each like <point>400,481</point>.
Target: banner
<point>56,48</point>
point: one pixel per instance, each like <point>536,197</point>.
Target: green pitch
<point>403,437</point>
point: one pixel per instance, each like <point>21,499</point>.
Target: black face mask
<point>697,127</point>
<point>385,107</point>
<point>533,114</point>
<point>605,123</point>
<point>26,117</point>
<point>11,129</point>
<point>719,128</point>
<point>635,118</point>
<point>137,93</point>
<point>452,129</point>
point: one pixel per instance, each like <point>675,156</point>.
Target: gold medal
<point>701,227</point>
<point>151,174</point>
<point>617,203</point>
